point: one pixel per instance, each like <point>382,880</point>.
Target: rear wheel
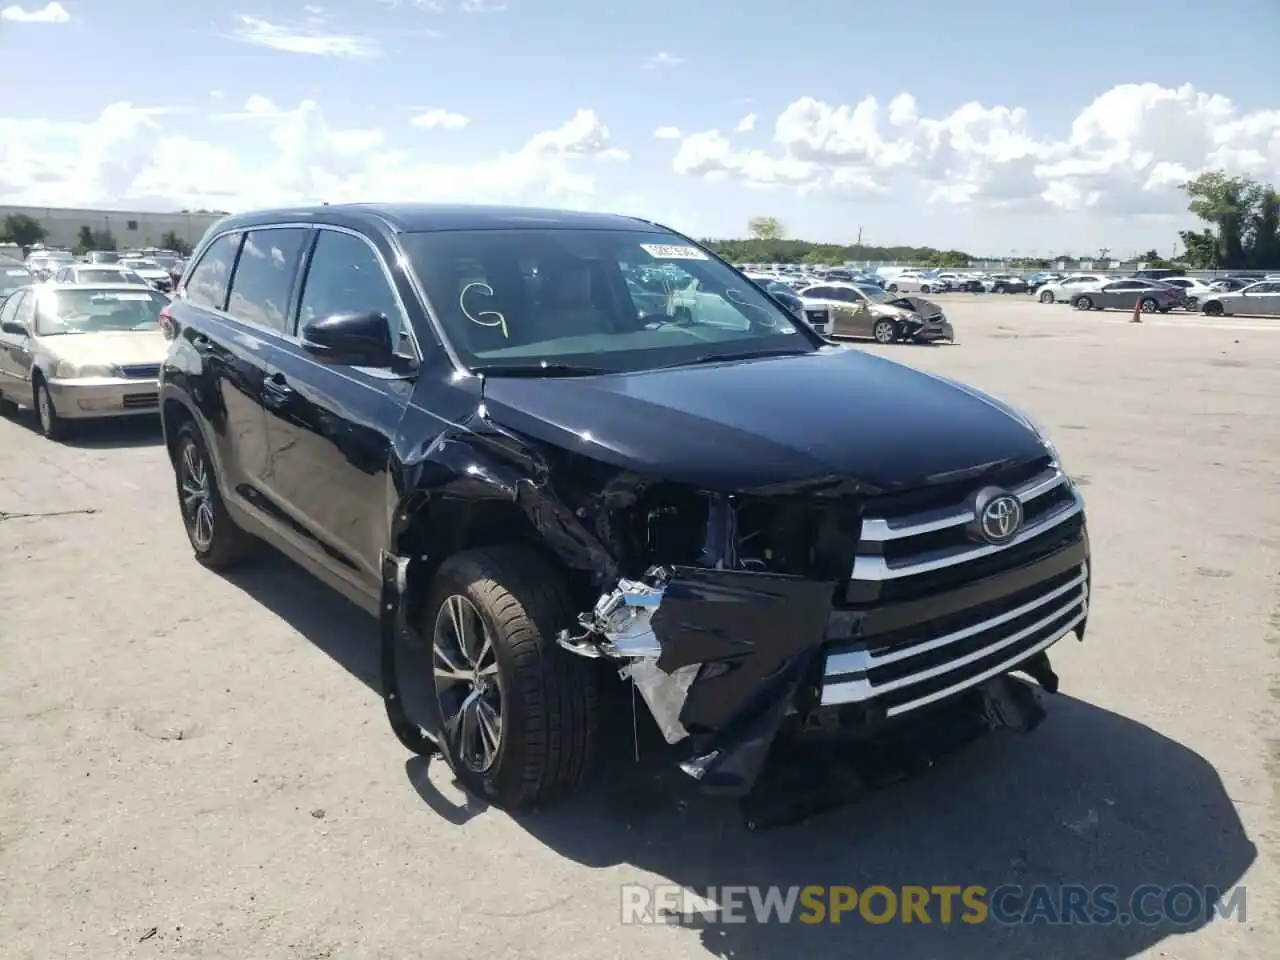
<point>998,288</point>
<point>1084,303</point>
<point>517,712</point>
<point>1213,308</point>
<point>218,542</point>
<point>1046,296</point>
<point>1148,305</point>
<point>892,288</point>
<point>885,331</point>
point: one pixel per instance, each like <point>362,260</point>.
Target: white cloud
<point>129,157</point>
<point>49,13</point>
<point>482,6</point>
<point>1127,152</point>
<point>437,118</point>
<point>667,133</point>
<point>309,37</point>
<point>663,59</point>
<point>747,123</point>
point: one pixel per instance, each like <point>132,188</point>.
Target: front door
<point>330,428</point>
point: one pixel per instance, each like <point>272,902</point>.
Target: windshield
<point>604,299</point>
<point>91,311</point>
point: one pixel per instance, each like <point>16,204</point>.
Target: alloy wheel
<point>468,687</point>
<point>1148,305</point>
<point>884,332</point>
<point>197,498</point>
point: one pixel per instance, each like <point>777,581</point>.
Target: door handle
<point>277,389</point>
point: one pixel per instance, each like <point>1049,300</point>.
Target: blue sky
<point>1017,179</point>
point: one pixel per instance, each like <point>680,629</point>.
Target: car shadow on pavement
<point>1089,799</point>
<point>104,434</point>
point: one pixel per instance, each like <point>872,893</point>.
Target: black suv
<point>467,421</point>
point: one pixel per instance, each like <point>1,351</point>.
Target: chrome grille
<point>141,371</point>
<point>928,611</point>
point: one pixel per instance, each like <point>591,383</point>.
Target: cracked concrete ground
<point>198,766</point>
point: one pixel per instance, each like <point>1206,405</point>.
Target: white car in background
<point>150,271</point>
<point>912,281</point>
<point>1194,291</point>
<point>1063,290</point>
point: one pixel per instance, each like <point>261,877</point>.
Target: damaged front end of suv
<point>838,627</point>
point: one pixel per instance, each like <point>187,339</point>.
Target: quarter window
<point>346,276</point>
<point>207,284</point>
<point>264,277</point>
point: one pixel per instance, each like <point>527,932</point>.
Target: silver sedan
<point>81,351</point>
<point>1257,298</point>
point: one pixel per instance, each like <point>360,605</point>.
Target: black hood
<point>754,424</point>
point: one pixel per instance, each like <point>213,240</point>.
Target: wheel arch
<point>465,492</point>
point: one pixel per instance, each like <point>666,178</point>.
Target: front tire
<point>998,288</point>
<point>518,713</point>
<point>1213,309</point>
<point>217,541</point>
<point>892,288</point>
<point>924,288</point>
<point>885,331</point>
<point>51,424</point>
<point>1046,296</point>
<point>1084,303</point>
<point>1147,305</point>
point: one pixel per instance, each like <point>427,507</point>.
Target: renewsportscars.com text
<point>1010,904</point>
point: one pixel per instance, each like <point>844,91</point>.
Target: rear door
<point>228,367</point>
<point>330,427</point>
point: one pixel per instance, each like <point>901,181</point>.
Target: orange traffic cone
<point>1137,311</point>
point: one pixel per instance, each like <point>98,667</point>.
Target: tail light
<point>168,326</point>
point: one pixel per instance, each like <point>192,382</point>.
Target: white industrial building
<point>129,227</point>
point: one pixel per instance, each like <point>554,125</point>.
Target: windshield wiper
<point>747,355</point>
<point>546,369</point>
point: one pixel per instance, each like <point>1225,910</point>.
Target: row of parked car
<point>153,266</point>
<point>1227,296</point>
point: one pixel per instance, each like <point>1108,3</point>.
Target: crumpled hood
<point>909,304</point>
<point>111,347</point>
<point>837,413</point>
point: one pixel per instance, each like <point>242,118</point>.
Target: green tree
<point>84,240</point>
<point>23,230</point>
<point>104,240</point>
<point>765,228</point>
<point>1242,215</point>
<point>756,250</point>
<point>171,241</point>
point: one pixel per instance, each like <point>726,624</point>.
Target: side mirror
<point>350,340</point>
<point>14,327</point>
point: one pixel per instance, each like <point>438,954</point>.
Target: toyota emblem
<point>998,515</point>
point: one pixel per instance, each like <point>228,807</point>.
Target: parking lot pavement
<point>198,766</point>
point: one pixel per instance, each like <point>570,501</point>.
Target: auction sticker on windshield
<point>672,251</point>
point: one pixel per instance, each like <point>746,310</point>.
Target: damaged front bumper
<point>725,657</point>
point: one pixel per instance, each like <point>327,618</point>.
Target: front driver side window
<point>346,276</point>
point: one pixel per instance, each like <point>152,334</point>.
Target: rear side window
<point>346,276</point>
<point>264,277</point>
<point>207,285</point>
